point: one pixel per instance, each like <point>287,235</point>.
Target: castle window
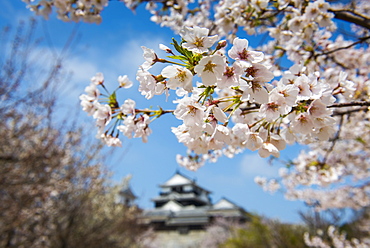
<point>177,189</point>
<point>188,188</point>
<point>183,230</point>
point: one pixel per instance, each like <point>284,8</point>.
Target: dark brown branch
<point>363,104</point>
<point>349,104</point>
<point>149,111</point>
<point>251,108</point>
<point>334,140</point>
<point>360,40</point>
<point>341,113</point>
<point>7,158</point>
<point>352,17</point>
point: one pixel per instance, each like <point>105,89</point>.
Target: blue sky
<point>113,48</point>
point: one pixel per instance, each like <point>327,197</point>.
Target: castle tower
<point>182,191</point>
<point>183,205</point>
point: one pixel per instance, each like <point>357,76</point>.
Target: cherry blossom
<point>268,149</point>
<point>247,98</point>
<point>210,69</point>
<point>178,77</point>
<point>239,51</point>
<point>230,77</point>
<point>190,111</point>
<point>124,82</point>
<point>197,39</point>
<point>148,83</point>
<point>150,58</point>
<point>275,107</point>
<point>237,106</point>
<point>337,239</point>
<point>128,107</point>
<point>97,79</point>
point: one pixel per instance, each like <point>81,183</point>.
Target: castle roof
<point>127,192</point>
<point>225,204</point>
<point>177,180</point>
<point>180,180</point>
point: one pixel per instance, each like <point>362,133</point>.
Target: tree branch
<point>352,17</point>
<point>349,104</point>
<point>360,40</point>
<point>334,140</point>
<point>339,113</point>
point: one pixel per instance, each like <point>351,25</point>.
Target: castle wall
<point>173,239</point>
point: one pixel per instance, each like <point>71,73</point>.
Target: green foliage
<point>264,233</point>
<point>187,57</point>
<point>357,227</point>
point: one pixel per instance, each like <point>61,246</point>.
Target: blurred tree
<point>259,232</point>
<point>266,233</point>
<point>354,227</point>
<point>54,188</point>
<point>219,231</point>
<point>358,227</point>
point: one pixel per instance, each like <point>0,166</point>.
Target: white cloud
<point>112,62</point>
<point>253,165</point>
<point>129,56</point>
<point>82,69</point>
<point>122,59</point>
<point>12,12</point>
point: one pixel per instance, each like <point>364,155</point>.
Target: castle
<point>183,210</point>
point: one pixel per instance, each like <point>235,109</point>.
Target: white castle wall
<point>173,239</point>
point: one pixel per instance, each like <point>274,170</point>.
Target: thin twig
<point>360,40</point>
<point>341,113</point>
<point>334,140</point>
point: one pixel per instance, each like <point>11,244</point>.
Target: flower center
<point>273,106</point>
<point>251,71</point>
<point>198,42</point>
<point>256,86</point>
<point>209,66</point>
<point>229,72</point>
<point>192,110</point>
<point>181,75</point>
<point>243,55</point>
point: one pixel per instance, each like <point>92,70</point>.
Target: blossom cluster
<point>111,117</point>
<point>343,164</point>
<point>235,105</point>
<point>307,34</point>
<point>69,10</point>
<point>337,240</point>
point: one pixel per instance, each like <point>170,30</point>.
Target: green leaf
<point>188,54</point>
<point>177,57</point>
<point>177,46</point>
<point>113,100</point>
<point>359,139</point>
